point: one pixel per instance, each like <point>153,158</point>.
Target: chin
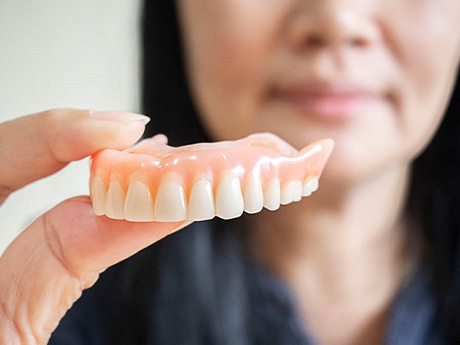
<point>341,171</point>
<point>350,168</point>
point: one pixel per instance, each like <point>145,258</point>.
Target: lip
<point>337,101</point>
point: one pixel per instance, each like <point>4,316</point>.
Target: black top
<point>273,318</point>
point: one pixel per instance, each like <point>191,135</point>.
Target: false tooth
<point>138,203</point>
<point>272,195</point>
<point>296,190</point>
<point>314,184</point>
<point>306,188</point>
<point>229,200</point>
<point>170,202</point>
<point>98,196</point>
<point>287,193</point>
<point>201,202</point>
<point>309,186</point>
<point>253,195</point>
<point>115,200</point>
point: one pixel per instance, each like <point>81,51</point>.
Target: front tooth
<point>229,200</point>
<point>201,202</point>
<point>309,186</point>
<point>98,196</point>
<point>253,195</point>
<point>115,200</point>
<point>170,202</point>
<point>287,193</point>
<point>272,195</point>
<point>138,204</point>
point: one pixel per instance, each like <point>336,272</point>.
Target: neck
<point>339,248</point>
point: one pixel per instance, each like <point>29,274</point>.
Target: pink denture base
<point>262,155</point>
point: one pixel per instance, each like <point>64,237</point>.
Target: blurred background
<point>63,53</point>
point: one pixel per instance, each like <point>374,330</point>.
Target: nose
<point>333,24</point>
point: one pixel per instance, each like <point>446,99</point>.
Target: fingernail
<point>119,116</point>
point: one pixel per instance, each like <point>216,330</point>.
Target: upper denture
<point>156,182</point>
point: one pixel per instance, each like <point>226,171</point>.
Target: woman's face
<point>373,75</point>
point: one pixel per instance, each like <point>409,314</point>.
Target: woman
<point>371,258</point>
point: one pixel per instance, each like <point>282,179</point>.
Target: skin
<point>63,252</point>
<point>406,54</point>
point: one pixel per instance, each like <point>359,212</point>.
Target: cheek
<point>228,46</point>
<point>429,55</point>
<point>425,110</point>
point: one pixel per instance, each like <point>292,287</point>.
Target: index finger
<point>34,146</point>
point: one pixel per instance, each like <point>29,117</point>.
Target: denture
<point>157,182</point>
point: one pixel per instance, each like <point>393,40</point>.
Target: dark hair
<point>187,299</point>
<point>166,96</point>
<point>433,202</point>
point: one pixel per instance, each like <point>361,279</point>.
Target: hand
<point>44,271</point>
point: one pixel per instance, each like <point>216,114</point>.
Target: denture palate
<point>157,182</point>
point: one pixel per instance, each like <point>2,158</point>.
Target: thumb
<point>88,244</point>
<point>46,268</point>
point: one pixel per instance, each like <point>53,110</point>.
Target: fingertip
<point>125,128</point>
<point>119,116</point>
<point>126,135</point>
<point>93,242</point>
<point>93,136</point>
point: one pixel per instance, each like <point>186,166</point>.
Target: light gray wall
<point>63,53</point>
